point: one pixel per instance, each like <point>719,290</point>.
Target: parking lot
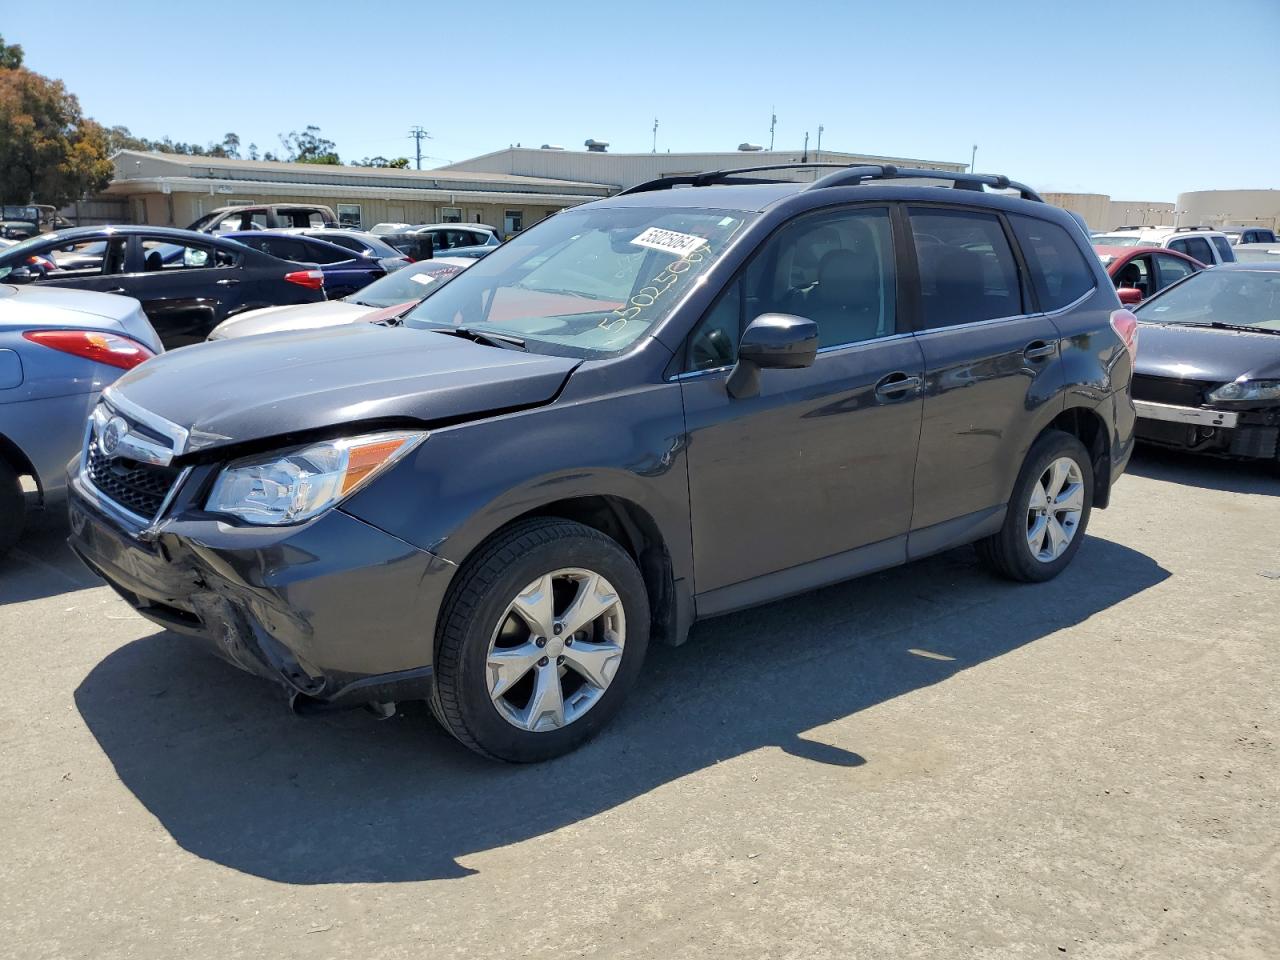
<point>926,762</point>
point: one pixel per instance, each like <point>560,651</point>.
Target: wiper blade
<point>501,340</point>
<point>1220,325</point>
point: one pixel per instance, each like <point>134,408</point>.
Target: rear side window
<point>321,252</point>
<point>1060,274</point>
<point>967,270</point>
<point>1195,247</point>
<point>1224,249</point>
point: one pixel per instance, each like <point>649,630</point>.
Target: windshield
<point>588,281</point>
<point>1103,240</point>
<point>1249,298</point>
<point>411,283</point>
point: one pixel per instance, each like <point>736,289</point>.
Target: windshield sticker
<point>669,241</point>
<point>422,278</point>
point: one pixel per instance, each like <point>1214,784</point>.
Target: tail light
<point>109,348</point>
<point>1125,324</point>
<point>311,279</point>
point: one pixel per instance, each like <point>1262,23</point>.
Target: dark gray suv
<point>705,393</point>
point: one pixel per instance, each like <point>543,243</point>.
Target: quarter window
<point>1059,273</point>
<point>967,270</point>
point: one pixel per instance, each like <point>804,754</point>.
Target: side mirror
<point>772,340</point>
<point>1130,296</point>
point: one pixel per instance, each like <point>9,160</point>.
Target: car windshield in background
<point>1108,241</point>
<point>585,282</point>
<point>412,283</point>
<point>1246,298</point>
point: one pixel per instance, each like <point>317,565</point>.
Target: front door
<point>820,462</point>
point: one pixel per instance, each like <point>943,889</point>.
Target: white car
<point>382,298</point>
<point>1200,243</point>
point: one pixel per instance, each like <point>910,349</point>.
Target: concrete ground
<point>924,763</point>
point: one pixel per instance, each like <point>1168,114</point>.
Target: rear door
<point>820,462</point>
<point>990,365</point>
<point>186,288</point>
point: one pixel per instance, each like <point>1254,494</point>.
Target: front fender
<point>468,480</point>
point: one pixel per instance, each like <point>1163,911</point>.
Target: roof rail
<point>842,174</point>
<point>1129,226</point>
<point>1189,229</point>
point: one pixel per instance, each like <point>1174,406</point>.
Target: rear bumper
<point>333,609</point>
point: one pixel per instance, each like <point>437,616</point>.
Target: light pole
<point>972,157</point>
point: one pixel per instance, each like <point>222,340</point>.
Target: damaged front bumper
<point>335,609</point>
<point>1243,434</point>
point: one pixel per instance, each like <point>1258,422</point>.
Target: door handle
<point>227,283</point>
<point>1039,349</point>
<point>896,385</point>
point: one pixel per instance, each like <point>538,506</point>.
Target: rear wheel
<point>1048,512</point>
<point>13,507</point>
<point>541,638</point>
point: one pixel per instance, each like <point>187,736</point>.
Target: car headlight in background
<point>289,486</point>
<point>1247,390</point>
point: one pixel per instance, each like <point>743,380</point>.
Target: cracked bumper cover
<point>333,608</point>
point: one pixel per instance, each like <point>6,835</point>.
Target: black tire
<point>1008,552</point>
<point>487,583</point>
<point>13,507</point>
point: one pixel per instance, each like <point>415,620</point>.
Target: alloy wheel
<point>1053,515</point>
<point>556,649</point>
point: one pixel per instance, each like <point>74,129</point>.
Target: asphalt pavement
<point>928,762</point>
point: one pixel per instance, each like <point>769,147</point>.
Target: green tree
<point>399,163</point>
<point>10,55</point>
<point>49,151</point>
<point>308,147</point>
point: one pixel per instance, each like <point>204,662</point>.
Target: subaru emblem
<point>111,436</point>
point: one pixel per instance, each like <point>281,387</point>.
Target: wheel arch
<point>19,461</point>
<point>1088,426</point>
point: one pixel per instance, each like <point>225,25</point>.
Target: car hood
<point>241,390</point>
<point>1204,353</point>
<point>305,316</point>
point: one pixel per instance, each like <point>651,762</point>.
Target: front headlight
<point>288,486</point>
<point>1247,390</point>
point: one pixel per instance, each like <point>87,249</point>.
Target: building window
<point>349,215</point>
<point>450,214</point>
<point>512,221</point>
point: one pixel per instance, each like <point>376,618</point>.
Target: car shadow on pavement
<point>214,755</point>
<point>1211,473</point>
<point>42,565</point>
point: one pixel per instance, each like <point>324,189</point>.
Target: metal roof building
<point>175,189</point>
<point>623,170</point>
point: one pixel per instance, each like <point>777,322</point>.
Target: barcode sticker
<point>669,241</point>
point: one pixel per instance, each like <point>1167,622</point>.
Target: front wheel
<point>541,638</point>
<point>1048,512</point>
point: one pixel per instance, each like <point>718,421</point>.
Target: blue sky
<point>1141,101</point>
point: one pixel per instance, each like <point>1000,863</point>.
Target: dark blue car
<point>343,273</point>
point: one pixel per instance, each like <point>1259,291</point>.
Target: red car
<point>1140,272</point>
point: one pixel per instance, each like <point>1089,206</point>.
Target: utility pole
<point>418,135</point>
<point>972,157</point>
<point>818,151</point>
<point>805,158</point>
<point>773,122</point>
<point>655,134</point>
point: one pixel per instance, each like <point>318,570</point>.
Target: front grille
<point>1182,393</point>
<point>138,487</point>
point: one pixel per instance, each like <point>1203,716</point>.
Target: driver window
<point>834,268</point>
